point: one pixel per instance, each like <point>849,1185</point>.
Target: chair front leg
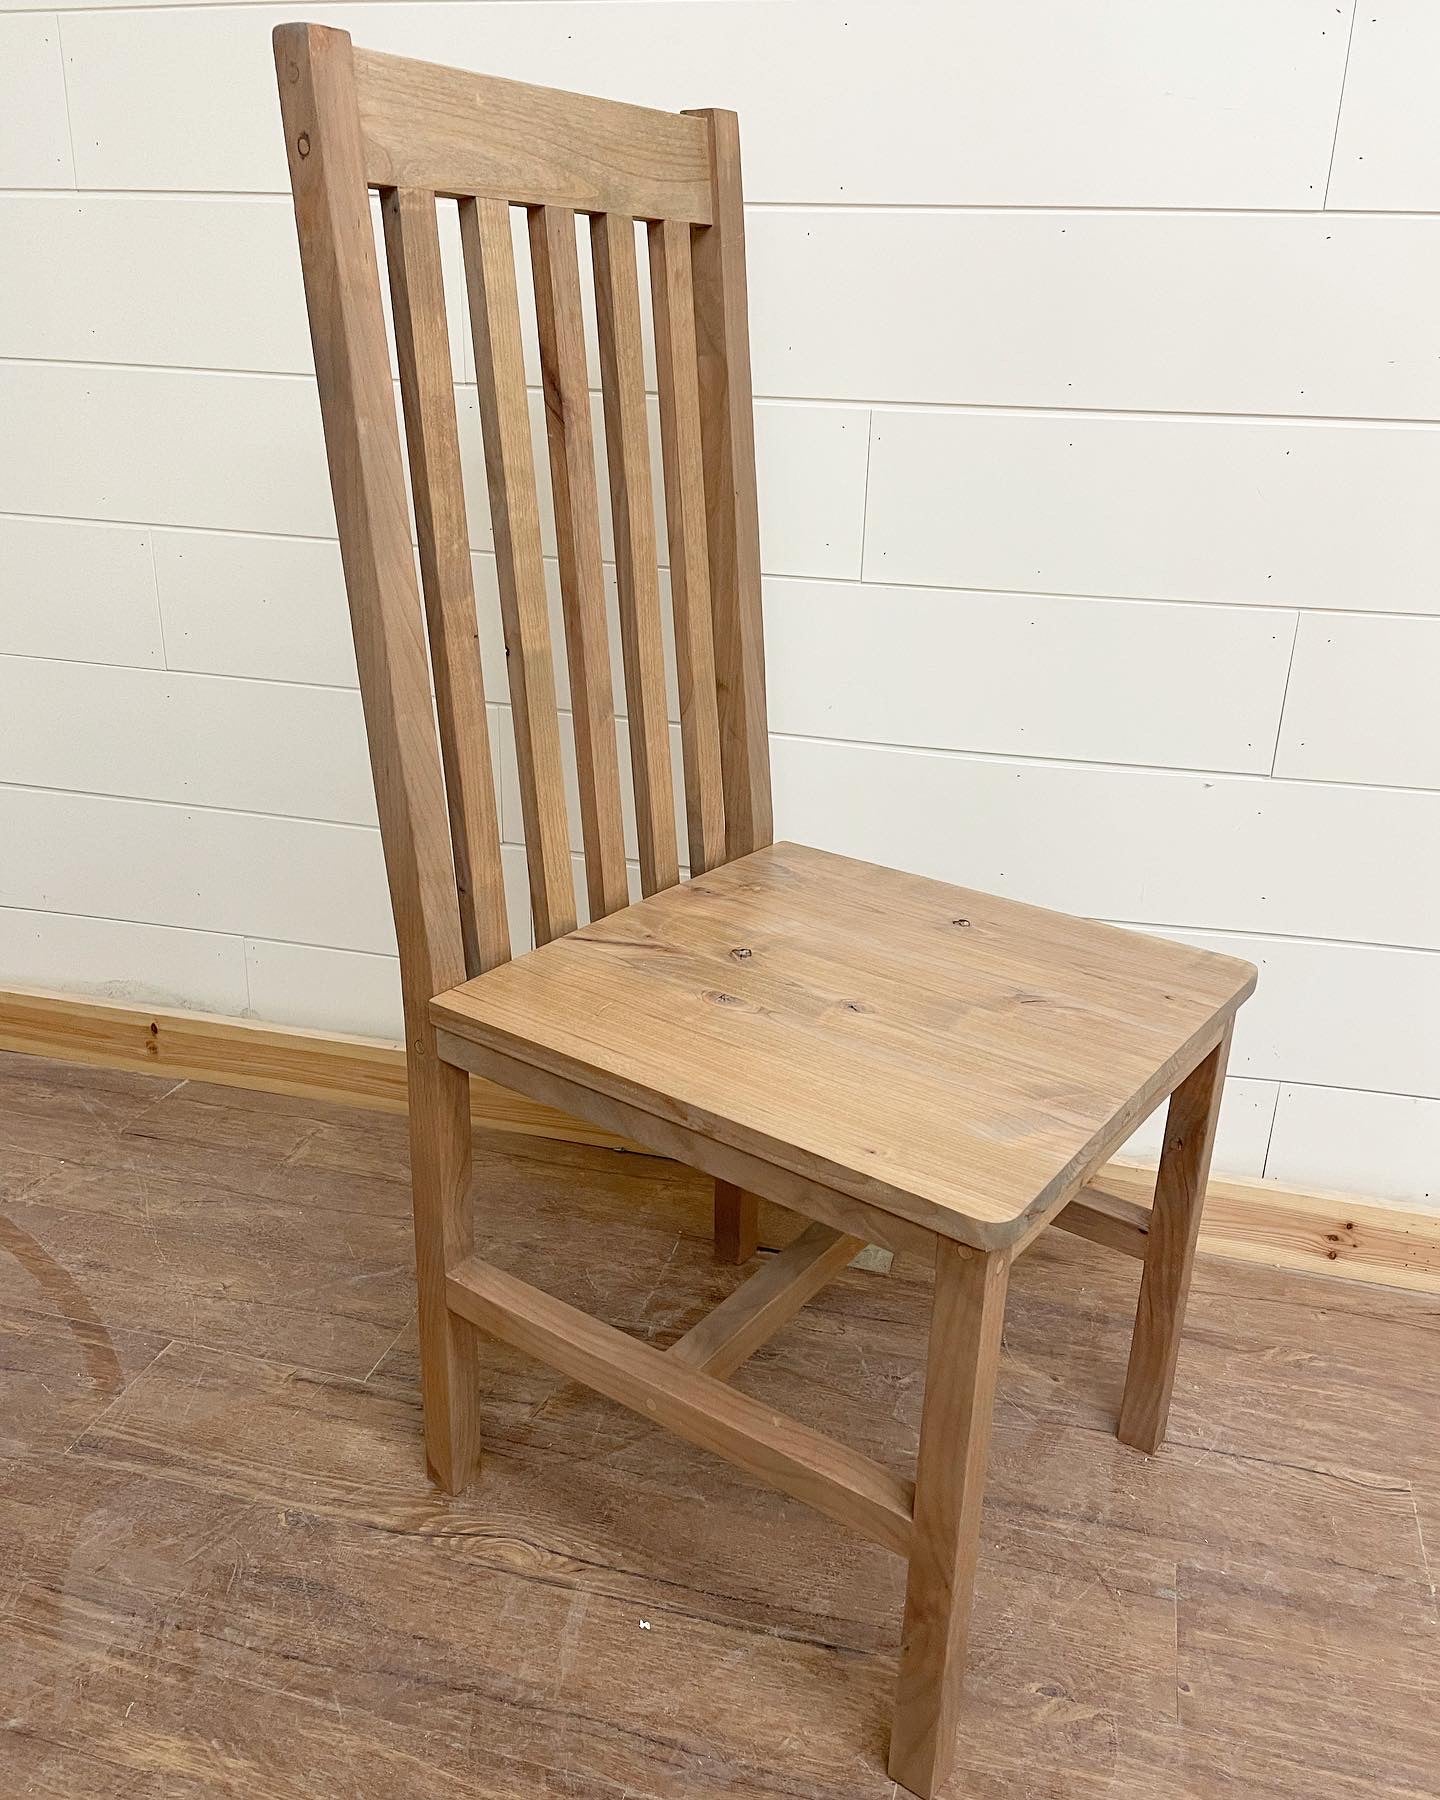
<point>440,1194</point>
<point>949,1479</point>
<point>1170,1255</point>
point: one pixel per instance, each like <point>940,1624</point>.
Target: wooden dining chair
<point>904,1063</point>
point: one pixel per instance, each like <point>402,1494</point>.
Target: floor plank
<point>224,1573</point>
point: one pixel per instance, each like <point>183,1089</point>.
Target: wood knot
<point>741,952</point>
<point>302,144</point>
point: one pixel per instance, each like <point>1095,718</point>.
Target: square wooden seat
<point>957,1060</point>
<point>900,1061</point>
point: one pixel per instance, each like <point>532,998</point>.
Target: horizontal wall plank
<point>1230,852</point>
<point>1258,513</point>
<point>203,740</point>
<point>205,282</point>
<point>1040,102</point>
<point>245,453</point>
<point>1335,1015</point>
<point>236,873</point>
<point>165,446</point>
<point>1387,154</point>
<point>1247,1111</point>
<point>1199,312</point>
<point>1334,1138</point>
<point>113,959</point>
<point>1039,675</point>
<point>810,465</point>
<point>1362,701</point>
<point>34,126</point>
<point>78,590</point>
<point>325,990</point>
<point>268,607</point>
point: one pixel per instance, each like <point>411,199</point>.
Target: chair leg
<point>949,1480</point>
<point>1170,1255</point>
<point>440,1192</point>
<point>737,1223</point>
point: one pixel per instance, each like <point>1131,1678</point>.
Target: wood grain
<point>722,327</point>
<point>420,126</point>
<point>1334,1235</point>
<point>564,379</point>
<point>315,69</point>
<point>520,572</point>
<point>683,457</point>
<point>964,1349</point>
<point>244,1548</point>
<point>724,1338</point>
<point>1174,1233</point>
<point>627,450</point>
<point>807,1009</point>
<point>412,243</point>
<point>800,1462</point>
<point>737,1223</point>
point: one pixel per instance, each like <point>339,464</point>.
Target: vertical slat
<point>566,384</point>
<point>315,69</point>
<point>515,515</point>
<point>727,414</point>
<point>412,243</point>
<point>675,365</point>
<point>627,449</point>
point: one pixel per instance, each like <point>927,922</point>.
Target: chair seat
<point>950,1056</point>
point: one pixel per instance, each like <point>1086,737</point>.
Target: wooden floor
<point>222,1570</point>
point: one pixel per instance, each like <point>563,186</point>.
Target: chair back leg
<point>1170,1253</point>
<point>737,1223</point>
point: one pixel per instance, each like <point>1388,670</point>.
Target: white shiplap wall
<point>1097,362</point>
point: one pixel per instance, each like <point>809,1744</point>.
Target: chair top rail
<point>459,134</point>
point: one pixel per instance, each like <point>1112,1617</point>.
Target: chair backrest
<point>422,135</point>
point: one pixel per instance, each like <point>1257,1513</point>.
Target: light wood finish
<point>780,1452</point>
<point>911,1064</point>
<point>627,449</point>
<point>342,287</point>
<point>1102,1217</point>
<point>676,372</point>
<point>663,1137</point>
<point>1305,1233</point>
<point>363,1072</point>
<point>803,1008</point>
<point>1170,1252</point>
<point>566,385</point>
<point>520,572</point>
<point>412,242</point>
<point>739,1325</point>
<point>213,1531</point>
<point>965,1327</point>
<point>722,327</point>
<point>737,1223</point>
<point>454,132</point>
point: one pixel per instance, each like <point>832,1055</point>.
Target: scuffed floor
<point>222,1570</point>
